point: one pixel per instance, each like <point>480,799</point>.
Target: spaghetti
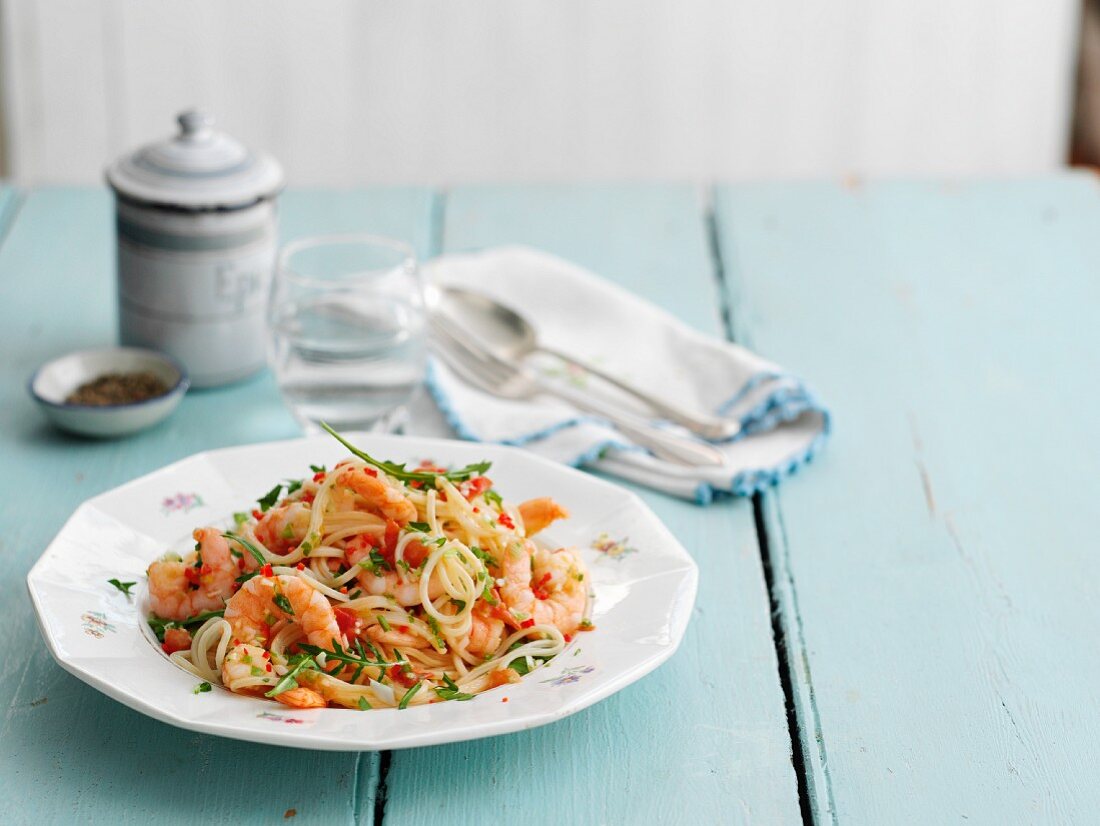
<point>372,586</point>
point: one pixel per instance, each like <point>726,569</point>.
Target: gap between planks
<point>803,729</point>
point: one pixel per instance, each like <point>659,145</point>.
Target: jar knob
<point>194,125</point>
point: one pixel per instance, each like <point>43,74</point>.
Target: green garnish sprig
<point>408,696</point>
<point>299,663</point>
<point>123,586</point>
<point>346,656</point>
<point>449,690</point>
<point>399,471</point>
<point>248,546</point>
<point>159,625</point>
<point>268,500</point>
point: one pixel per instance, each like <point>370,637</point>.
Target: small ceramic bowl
<point>54,381</point>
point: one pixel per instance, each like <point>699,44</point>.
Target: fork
<point>495,375</point>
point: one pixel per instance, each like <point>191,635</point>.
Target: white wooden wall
<point>446,91</point>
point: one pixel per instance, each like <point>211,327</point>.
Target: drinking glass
<point>346,330</point>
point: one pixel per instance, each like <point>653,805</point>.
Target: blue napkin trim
<point>786,404</point>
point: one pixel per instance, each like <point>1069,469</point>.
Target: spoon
<point>511,335</point>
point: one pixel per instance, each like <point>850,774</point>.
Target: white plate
<point>643,582</point>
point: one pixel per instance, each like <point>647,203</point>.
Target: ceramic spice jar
<point>196,245</point>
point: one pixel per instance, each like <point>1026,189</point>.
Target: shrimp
<point>404,588</point>
<point>247,669</point>
<point>201,582</point>
<point>538,514</point>
<point>486,632</point>
<point>546,586</point>
<point>283,528</point>
<point>387,501</point>
<point>264,601</point>
<point>301,697</point>
<point>560,593</point>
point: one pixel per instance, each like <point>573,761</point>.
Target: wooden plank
<point>937,569</point>
<point>67,753</point>
<point>704,739</point>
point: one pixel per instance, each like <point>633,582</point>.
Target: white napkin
<point>581,314</point>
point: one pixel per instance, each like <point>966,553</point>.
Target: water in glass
<point>351,353</point>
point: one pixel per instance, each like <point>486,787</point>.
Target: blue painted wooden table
<point>902,634</point>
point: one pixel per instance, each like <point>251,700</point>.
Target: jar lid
<point>198,168</point>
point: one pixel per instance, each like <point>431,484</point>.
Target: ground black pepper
<point>118,388</point>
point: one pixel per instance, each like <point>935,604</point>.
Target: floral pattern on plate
<point>570,675</point>
<point>181,503</point>
<point>640,609</point>
<point>613,548</point>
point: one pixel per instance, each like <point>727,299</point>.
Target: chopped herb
<point>493,497</point>
<point>485,557</point>
<point>422,527</point>
<point>160,625</point>
<point>376,564</point>
<point>270,620</point>
<point>233,552</point>
<point>243,578</point>
<point>399,472</point>
<point>292,485</point>
<point>284,603</point>
<point>240,517</point>
<point>306,547</point>
<point>257,554</point>
<point>459,604</point>
<point>433,623</point>
<point>123,586</point>
<point>487,595</point>
<point>578,576</point>
<point>317,468</point>
<point>523,665</point>
<point>287,532</point>
<point>519,665</point>
<point>450,691</point>
<point>256,671</point>
<point>408,696</point>
<point>404,566</point>
<point>356,594</point>
<point>270,498</point>
<point>201,688</point>
<point>586,624</point>
<point>363,704</point>
<point>439,543</point>
<point>299,662</point>
<point>383,622</point>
